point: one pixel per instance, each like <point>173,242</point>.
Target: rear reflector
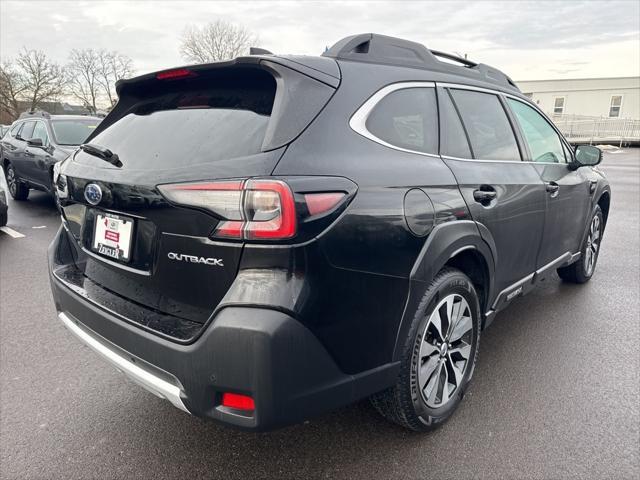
<point>318,203</point>
<point>174,74</point>
<point>239,402</point>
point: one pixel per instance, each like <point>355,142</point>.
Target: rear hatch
<point>224,121</point>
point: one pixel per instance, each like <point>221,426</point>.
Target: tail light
<point>319,203</point>
<point>251,209</point>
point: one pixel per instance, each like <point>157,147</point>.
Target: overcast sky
<point>537,40</point>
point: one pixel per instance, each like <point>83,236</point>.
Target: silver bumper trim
<point>145,379</point>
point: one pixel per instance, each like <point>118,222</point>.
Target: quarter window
<point>615,106</point>
<point>543,141</point>
<point>408,119</point>
<point>558,106</point>
<point>487,125</point>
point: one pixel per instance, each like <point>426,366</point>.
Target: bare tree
<point>12,88</point>
<point>112,66</point>
<point>83,70</point>
<point>43,80</point>
<point>216,41</point>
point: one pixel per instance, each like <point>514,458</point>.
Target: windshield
<point>73,131</point>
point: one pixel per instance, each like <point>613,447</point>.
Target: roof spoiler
<point>381,49</point>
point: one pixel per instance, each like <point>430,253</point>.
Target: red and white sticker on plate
<point>112,236</point>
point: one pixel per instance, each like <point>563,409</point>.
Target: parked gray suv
<point>37,141</point>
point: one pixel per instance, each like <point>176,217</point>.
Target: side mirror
<point>35,142</point>
<point>587,156</point>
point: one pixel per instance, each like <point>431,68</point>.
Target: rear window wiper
<point>102,153</point>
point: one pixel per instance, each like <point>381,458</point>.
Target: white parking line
<point>11,232</point>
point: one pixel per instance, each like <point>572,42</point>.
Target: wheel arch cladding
<point>474,265</point>
<point>605,202</point>
<point>449,244</point>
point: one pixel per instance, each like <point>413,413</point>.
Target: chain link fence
<point>585,129</point>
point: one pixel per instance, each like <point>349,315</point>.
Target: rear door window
<point>543,141</point>
<point>408,119</point>
<point>487,125</point>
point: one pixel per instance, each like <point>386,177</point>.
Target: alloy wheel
<point>445,350</point>
<point>593,243</point>
<point>11,180</point>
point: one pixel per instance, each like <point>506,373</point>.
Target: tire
<point>17,189</point>
<point>582,270</point>
<point>3,219</point>
<point>420,400</point>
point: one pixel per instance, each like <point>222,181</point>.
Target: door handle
<point>484,195</point>
<point>553,188</point>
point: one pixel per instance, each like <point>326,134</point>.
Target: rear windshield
<point>206,120</point>
<point>73,131</point>
<point>173,138</point>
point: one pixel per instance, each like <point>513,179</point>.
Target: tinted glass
<point>72,131</point>
<point>408,119</point>
<point>487,125</point>
<point>26,132</point>
<point>543,141</point>
<point>179,138</point>
<point>454,140</point>
<point>41,132</point>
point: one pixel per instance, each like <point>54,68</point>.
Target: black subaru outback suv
<point>268,238</point>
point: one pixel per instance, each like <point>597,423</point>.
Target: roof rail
<point>381,49</point>
<point>35,113</point>
<point>455,58</point>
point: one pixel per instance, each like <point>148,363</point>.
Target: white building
<point>594,97</point>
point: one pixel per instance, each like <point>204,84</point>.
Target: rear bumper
<point>253,351</point>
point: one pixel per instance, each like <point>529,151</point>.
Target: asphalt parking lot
<point>555,394</point>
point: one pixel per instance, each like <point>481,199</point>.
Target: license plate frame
<point>113,236</point>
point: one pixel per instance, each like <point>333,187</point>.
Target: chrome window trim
<point>358,121</point>
<point>448,157</point>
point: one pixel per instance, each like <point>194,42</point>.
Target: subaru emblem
<point>93,193</point>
